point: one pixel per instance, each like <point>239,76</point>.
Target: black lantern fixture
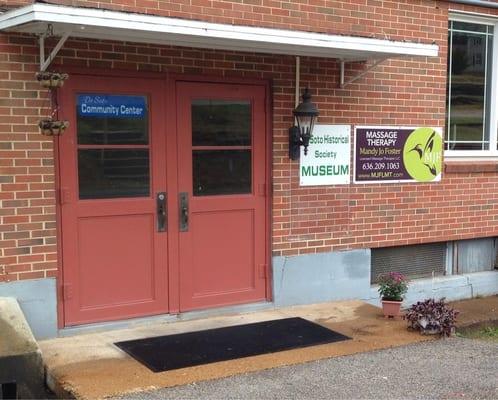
<point>300,135</point>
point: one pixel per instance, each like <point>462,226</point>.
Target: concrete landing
<point>20,358</point>
<point>89,366</point>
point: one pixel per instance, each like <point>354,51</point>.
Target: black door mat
<point>164,353</point>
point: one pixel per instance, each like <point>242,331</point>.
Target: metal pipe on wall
<point>479,3</point>
<point>298,75</point>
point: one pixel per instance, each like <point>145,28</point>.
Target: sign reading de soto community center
<point>328,158</point>
<point>108,105</point>
<point>397,154</point>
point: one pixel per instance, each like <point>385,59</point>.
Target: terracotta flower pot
<point>392,309</point>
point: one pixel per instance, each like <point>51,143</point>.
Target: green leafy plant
<point>432,316</point>
<point>392,286</point>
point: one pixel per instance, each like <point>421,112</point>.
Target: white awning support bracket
<point>344,83</point>
<point>45,62</point>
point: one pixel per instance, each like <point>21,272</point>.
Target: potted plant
<point>432,317</point>
<point>392,287</point>
<point>51,80</point>
<point>48,127</point>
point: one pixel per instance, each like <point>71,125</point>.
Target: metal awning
<point>130,27</point>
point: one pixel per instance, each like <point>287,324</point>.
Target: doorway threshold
<point>165,318</point>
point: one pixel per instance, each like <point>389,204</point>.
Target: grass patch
<point>487,331</point>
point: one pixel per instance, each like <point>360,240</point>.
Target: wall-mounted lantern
<point>305,114</point>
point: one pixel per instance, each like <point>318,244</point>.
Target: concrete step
<point>21,365</point>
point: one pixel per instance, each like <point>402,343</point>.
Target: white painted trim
<point>492,153</point>
<point>449,258</point>
<point>469,154</point>
<point>451,158</point>
<point>493,115</point>
<point>116,25</point>
<point>472,17</point>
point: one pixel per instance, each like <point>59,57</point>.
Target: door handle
<point>183,200</point>
<point>162,216</point>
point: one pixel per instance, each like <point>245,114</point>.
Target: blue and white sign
<point>103,105</point>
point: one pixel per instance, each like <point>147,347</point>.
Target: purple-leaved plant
<point>432,315</point>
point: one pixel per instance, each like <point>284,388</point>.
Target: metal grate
<point>415,261</point>
<point>8,390</point>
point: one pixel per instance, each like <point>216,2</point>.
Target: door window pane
<point>112,119</point>
<point>111,173</point>
<point>221,172</point>
<point>221,123</point>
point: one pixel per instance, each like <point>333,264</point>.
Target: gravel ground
<point>454,368</point>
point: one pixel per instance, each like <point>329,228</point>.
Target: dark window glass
<point>221,123</point>
<point>112,119</point>
<point>466,26</point>
<point>111,173</point>
<point>221,172</point>
<point>469,89</point>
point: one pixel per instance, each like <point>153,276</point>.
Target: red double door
<point>163,197</point>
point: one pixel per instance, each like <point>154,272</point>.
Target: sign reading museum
<point>397,154</point>
<point>328,158</point>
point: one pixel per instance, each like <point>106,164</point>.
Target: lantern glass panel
<point>305,123</point>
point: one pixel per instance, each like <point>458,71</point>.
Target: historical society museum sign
<point>397,154</point>
<point>328,159</point>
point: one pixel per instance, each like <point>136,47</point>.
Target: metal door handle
<point>183,200</point>
<point>162,217</point>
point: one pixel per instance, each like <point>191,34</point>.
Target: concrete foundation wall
<point>38,301</point>
<point>453,287</point>
<point>315,278</point>
<point>306,279</point>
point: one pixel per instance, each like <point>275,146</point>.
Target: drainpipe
<point>479,3</point>
<point>298,75</point>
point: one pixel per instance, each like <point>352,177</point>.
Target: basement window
<point>475,255</point>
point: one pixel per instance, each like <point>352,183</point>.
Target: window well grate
<point>416,261</point>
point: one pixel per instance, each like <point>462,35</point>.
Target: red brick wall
<point>27,207</point>
<point>305,220</point>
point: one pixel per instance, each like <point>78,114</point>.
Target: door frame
<point>168,83</point>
